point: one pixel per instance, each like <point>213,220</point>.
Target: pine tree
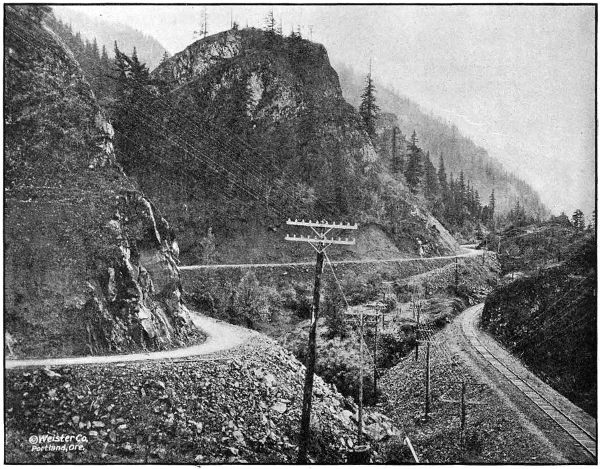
<point>432,186</point>
<point>104,56</point>
<point>414,168</point>
<point>368,108</point>
<point>578,220</point>
<point>203,31</point>
<point>442,178</point>
<point>270,23</point>
<point>398,141</point>
<point>132,109</point>
<point>164,57</point>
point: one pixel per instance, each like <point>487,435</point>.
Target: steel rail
<point>583,437</point>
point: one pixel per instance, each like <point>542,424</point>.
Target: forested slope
<point>442,138</point>
<point>549,319</point>
<point>246,128</point>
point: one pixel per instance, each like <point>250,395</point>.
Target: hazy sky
<point>519,80</point>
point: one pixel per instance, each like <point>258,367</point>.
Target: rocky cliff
<point>259,123</point>
<point>90,265</point>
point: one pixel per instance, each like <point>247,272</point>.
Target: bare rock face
<point>90,266</point>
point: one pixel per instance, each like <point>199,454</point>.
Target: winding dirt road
<point>221,336</point>
<point>468,252</point>
<point>567,430</point>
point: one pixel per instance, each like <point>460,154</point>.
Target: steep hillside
<point>246,129</point>
<point>240,408</point>
<point>460,153</point>
<point>89,264</point>
<point>106,33</point>
<point>549,320</point>
<point>530,248</point>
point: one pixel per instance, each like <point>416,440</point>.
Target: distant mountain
<point>440,137</point>
<point>149,50</point>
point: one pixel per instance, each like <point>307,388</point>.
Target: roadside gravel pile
<point>236,407</point>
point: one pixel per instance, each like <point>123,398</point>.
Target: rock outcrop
<point>262,118</point>
<point>90,265</point>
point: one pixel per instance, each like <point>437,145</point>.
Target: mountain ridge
<point>107,32</point>
<point>272,107</point>
<point>442,138</point>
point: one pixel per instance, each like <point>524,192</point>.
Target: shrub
<point>339,364</point>
<point>288,298</point>
<point>248,304</point>
<point>334,310</point>
<point>393,344</point>
<point>303,304</point>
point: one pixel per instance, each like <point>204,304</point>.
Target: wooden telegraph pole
<point>360,382</point>
<point>417,311</point>
<point>375,359</point>
<point>456,275</point>
<point>319,242</point>
<point>360,454</point>
<point>427,383</point>
<point>379,313</point>
<point>464,402</point>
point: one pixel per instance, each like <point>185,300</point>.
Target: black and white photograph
<point>300,233</point>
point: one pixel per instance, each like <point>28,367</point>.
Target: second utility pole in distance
<point>319,242</point>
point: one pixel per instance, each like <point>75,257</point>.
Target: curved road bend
<point>567,426</point>
<point>221,336</point>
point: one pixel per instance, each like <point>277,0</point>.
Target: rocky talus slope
<point>90,265</point>
<point>234,407</point>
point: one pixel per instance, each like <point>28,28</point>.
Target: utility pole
<point>463,405</point>
<point>375,359</point>
<point>319,242</point>
<point>483,257</point>
<point>427,379</point>
<point>361,452</point>
<point>360,382</point>
<point>456,275</point>
<point>463,409</point>
<point>394,147</point>
<point>378,307</point>
<point>417,312</point>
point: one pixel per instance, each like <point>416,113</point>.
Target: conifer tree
<point>164,57</point>
<point>132,109</point>
<point>432,187</point>
<point>368,108</point>
<point>491,207</point>
<point>442,178</point>
<point>578,220</point>
<point>398,143</point>
<point>270,23</point>
<point>414,167</point>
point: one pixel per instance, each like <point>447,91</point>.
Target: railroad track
<point>570,423</point>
